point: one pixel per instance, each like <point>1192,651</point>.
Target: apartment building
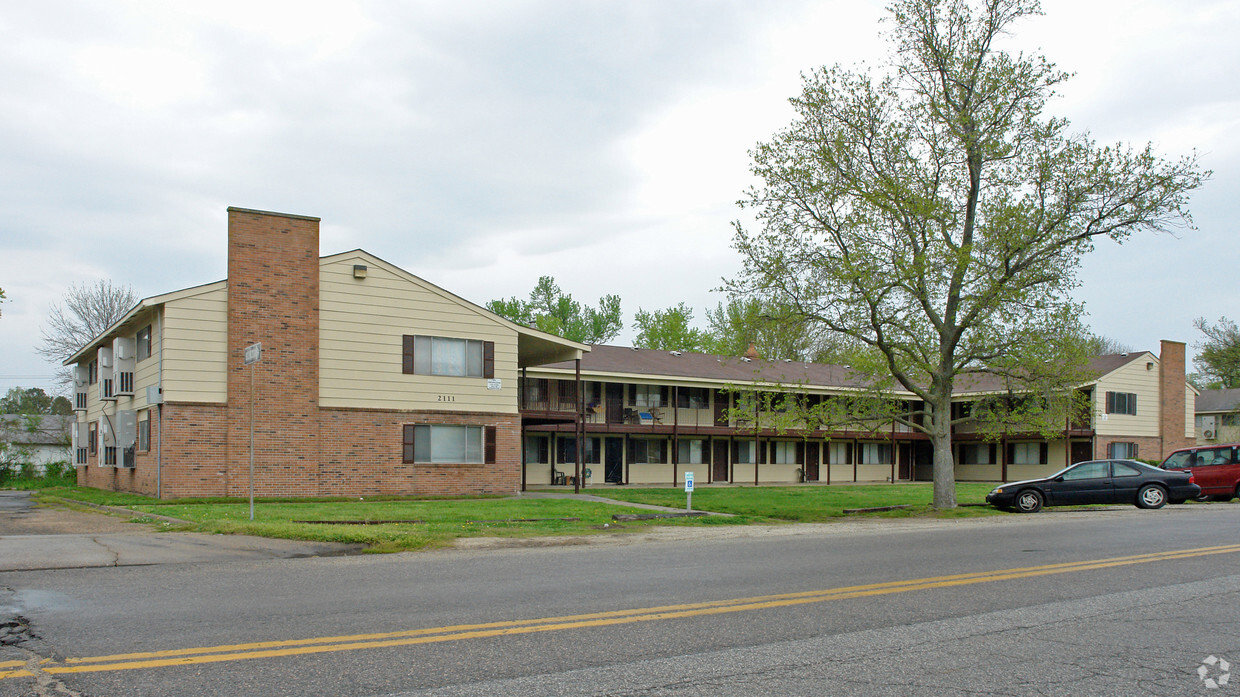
<point>344,375</point>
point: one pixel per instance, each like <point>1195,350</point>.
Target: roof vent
<point>787,360</point>
<point>746,359</point>
<point>674,353</point>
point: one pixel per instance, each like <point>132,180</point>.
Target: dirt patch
<point>22,516</point>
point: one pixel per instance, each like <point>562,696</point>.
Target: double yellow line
<point>460,632</point>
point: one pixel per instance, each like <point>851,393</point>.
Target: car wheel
<point>1029,501</point>
<point>1151,496</point>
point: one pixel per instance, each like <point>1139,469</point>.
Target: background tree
<point>33,400</point>
<point>1098,345</point>
<point>550,310</point>
<point>1,301</point>
<point>84,313</point>
<point>669,330</point>
<point>933,214</point>
<point>1218,357</point>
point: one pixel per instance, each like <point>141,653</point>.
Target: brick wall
<point>273,298</point>
<point>1147,448</point>
<point>1171,390</point>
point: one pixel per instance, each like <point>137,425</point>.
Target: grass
<point>442,520</point>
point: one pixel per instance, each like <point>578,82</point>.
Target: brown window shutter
<point>489,448</point>
<point>664,395</point>
<point>801,453</point>
<point>848,453</point>
<point>994,453</point>
<point>407,366</point>
<point>762,448</point>
<point>1010,453</point>
<point>407,455</point>
<point>1134,451</point>
<point>488,359</point>
<point>1043,453</point>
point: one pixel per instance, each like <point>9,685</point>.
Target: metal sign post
<point>688,491</point>
<point>253,354</point>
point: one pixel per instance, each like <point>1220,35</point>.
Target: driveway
<point>34,536</point>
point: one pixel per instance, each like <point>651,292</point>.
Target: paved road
<point>1115,602</point>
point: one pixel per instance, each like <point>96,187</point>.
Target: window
<point>536,449</point>
<point>1213,456</point>
<point>647,451</point>
<point>1119,469</point>
<point>1121,403</point>
<point>93,439</point>
<point>1180,459</point>
<point>1088,470</point>
<point>784,453</point>
<point>436,355</point>
<point>1230,420</point>
<point>744,450</point>
<point>567,451</point>
<point>839,453</point>
<point>693,398</point>
<point>144,431</point>
<point>649,396</point>
<point>1122,451</point>
<point>876,454</point>
<point>1027,453</point>
<point>449,444</point>
<point>144,342</point>
<point>690,451</point>
<point>109,454</point>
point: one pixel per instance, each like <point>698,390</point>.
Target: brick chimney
<point>1171,388</point>
<point>273,298</point>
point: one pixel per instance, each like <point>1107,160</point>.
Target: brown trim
<point>488,448</point>
<point>488,359</point>
<point>407,444</point>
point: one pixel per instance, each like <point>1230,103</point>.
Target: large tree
<point>551,310</point>
<point>84,313</point>
<point>1218,357</point>
<point>933,213</point>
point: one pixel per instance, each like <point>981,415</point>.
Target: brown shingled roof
<point>623,360</point>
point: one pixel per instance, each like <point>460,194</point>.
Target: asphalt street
<point>1110,602</point>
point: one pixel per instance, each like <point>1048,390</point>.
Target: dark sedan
<point>1098,481</point>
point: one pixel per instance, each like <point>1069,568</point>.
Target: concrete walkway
<point>53,537</point>
<point>603,499</point>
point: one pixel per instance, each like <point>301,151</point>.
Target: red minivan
<point>1215,468</point>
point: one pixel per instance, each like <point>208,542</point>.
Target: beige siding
<point>1137,379</point>
<point>360,346</point>
<point>195,348</point>
<point>979,473</point>
<point>1190,412</point>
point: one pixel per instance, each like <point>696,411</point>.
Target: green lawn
<point>435,522</point>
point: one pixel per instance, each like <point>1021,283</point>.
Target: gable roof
<point>50,429</point>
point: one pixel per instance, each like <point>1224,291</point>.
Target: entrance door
<point>906,461</point>
<point>615,403</point>
<point>719,460</point>
<point>613,461</point>
<point>1081,451</point>
<point>811,462</point>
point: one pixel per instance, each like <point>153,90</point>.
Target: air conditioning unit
<point>1208,435</point>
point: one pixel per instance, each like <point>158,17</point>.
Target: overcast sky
<point>480,145</point>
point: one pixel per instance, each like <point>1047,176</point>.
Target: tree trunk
<point>944,463</point>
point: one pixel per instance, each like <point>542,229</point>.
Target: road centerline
<point>460,632</point>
